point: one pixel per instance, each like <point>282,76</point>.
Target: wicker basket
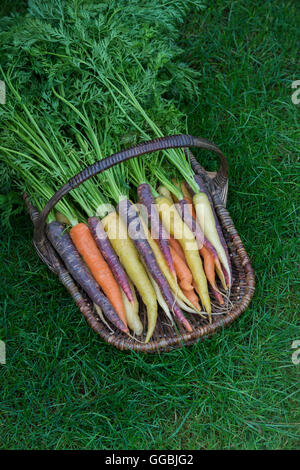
<point>165,336</point>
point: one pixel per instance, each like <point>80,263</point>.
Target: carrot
<point>220,271</point>
<point>64,246</point>
<point>177,247</point>
<point>209,268</point>
<point>163,191</point>
<point>164,267</point>
<point>225,275</point>
<point>157,229</point>
<point>186,197</point>
<point>189,202</point>
<point>203,188</point>
<point>61,218</point>
<point>185,191</point>
<point>184,275</point>
<point>203,243</point>
<point>207,260</point>
<point>194,226</point>
<point>129,257</point>
<point>173,195</point>
<point>193,298</point>
<point>160,298</point>
<point>211,250</point>
<point>185,213</point>
<point>132,312</point>
<point>129,214</point>
<point>207,222</point>
<point>175,225</point>
<point>109,255</point>
<point>102,317</point>
<point>86,245</point>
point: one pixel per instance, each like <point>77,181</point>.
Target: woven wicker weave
<point>165,337</point>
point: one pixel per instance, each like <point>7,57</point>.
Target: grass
<point>62,387</point>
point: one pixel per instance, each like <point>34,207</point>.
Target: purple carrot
<point>104,245</point>
<point>129,214</point>
<point>64,246</point>
<point>203,188</point>
<point>226,276</point>
<point>157,229</point>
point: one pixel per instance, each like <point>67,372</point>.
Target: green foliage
<point>93,68</point>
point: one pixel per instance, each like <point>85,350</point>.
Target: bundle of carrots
<point>118,256</point>
<point>131,235</point>
<point>145,231</point>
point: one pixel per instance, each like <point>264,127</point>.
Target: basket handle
<point>163,143</point>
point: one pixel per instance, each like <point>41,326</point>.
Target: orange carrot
<point>61,241</point>
<point>86,245</point>
<point>183,273</point>
<point>193,298</point>
<point>195,287</point>
<point>209,265</point>
<point>209,269</point>
<point>177,247</point>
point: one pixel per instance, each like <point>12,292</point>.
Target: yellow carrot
<point>62,218</point>
<point>180,231</point>
<point>160,298</point>
<point>163,191</point>
<point>132,311</point>
<point>129,257</point>
<point>207,222</point>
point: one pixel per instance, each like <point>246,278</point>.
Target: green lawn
<point>62,387</point>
